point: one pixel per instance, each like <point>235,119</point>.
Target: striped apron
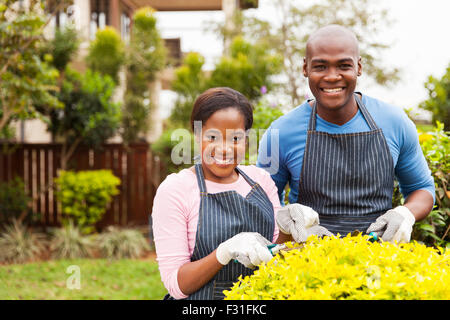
<point>221,216</point>
<point>347,178</point>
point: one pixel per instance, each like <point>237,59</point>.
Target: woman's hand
<point>249,248</point>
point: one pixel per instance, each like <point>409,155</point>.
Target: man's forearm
<point>420,203</point>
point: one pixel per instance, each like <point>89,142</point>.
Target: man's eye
<point>211,138</point>
<point>237,139</point>
<point>319,67</point>
<point>346,66</point>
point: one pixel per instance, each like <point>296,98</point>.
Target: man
<point>341,151</point>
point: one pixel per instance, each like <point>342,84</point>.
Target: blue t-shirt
<point>290,131</point>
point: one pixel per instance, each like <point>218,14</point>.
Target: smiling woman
<point>218,210</point>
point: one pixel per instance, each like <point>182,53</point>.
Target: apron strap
<point>246,177</point>
<point>200,178</point>
<point>365,113</point>
<point>371,123</point>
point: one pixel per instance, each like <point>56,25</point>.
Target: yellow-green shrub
<point>85,195</point>
<point>350,268</point>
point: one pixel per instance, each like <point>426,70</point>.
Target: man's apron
<point>222,216</point>
<point>347,178</point>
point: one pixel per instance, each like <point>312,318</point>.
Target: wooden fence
<point>37,164</point>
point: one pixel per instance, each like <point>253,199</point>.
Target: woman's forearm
<point>194,275</point>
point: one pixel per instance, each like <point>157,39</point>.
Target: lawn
<point>99,279</point>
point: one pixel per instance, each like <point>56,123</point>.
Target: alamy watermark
<point>74,280</point>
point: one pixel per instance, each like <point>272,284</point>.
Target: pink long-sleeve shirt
<point>175,217</point>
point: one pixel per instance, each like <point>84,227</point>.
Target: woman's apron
<point>222,216</point>
<point>347,178</point>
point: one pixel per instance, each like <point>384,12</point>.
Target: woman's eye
<point>237,139</point>
<point>211,138</point>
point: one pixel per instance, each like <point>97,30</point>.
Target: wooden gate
<point>37,164</point>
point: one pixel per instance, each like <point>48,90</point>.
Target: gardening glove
<point>395,225</point>
<point>318,231</point>
<point>249,248</point>
<point>294,218</point>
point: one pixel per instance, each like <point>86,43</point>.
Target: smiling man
<point>342,151</point>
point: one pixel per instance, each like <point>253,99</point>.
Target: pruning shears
<point>275,248</point>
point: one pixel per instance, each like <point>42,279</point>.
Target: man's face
<point>332,66</point>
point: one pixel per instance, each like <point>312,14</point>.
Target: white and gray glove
<point>300,221</point>
<point>395,225</point>
<point>249,248</point>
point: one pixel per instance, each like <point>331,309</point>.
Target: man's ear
<point>359,67</point>
<point>305,73</point>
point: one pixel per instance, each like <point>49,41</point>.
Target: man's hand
<point>249,248</point>
<point>395,225</point>
<point>300,221</point>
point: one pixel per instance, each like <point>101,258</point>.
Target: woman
<point>213,221</point>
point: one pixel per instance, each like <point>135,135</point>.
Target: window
<point>99,16</point>
<point>125,23</point>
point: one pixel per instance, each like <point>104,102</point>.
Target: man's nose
<point>332,75</point>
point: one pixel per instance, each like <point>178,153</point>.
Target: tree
<point>297,20</point>
<point>438,102</point>
<point>26,77</point>
<point>248,69</point>
<point>106,53</point>
<point>89,116</point>
<point>146,55</point>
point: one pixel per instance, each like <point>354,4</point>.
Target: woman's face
<point>223,145</point>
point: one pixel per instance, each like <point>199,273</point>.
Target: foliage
<point>101,279</point>
<point>146,55</point>
<point>247,69</point>
<point>89,116</point>
<point>298,19</point>
<point>69,242</point>
<point>189,82</point>
<point>350,268</point>
<point>13,200</point>
<point>164,147</point>
<point>106,53</point>
<point>63,47</point>
<point>84,196</point>
<point>439,98</point>
<point>26,78</point>
<point>118,243</point>
<point>19,244</point>
<point>264,114</point>
<point>434,230</point>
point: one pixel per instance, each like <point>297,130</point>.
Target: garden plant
<point>349,268</point>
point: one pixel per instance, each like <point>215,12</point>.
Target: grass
<point>125,279</point>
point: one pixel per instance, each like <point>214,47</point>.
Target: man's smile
<point>333,90</point>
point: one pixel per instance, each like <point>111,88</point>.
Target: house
<point>90,15</point>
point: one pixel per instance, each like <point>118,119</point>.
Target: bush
<point>350,268</point>
<point>118,243</point>
<point>106,53</point>
<point>84,196</point>
<point>69,243</point>
<point>18,244</point>
<point>438,102</point>
<point>13,200</point>
<point>434,230</point>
